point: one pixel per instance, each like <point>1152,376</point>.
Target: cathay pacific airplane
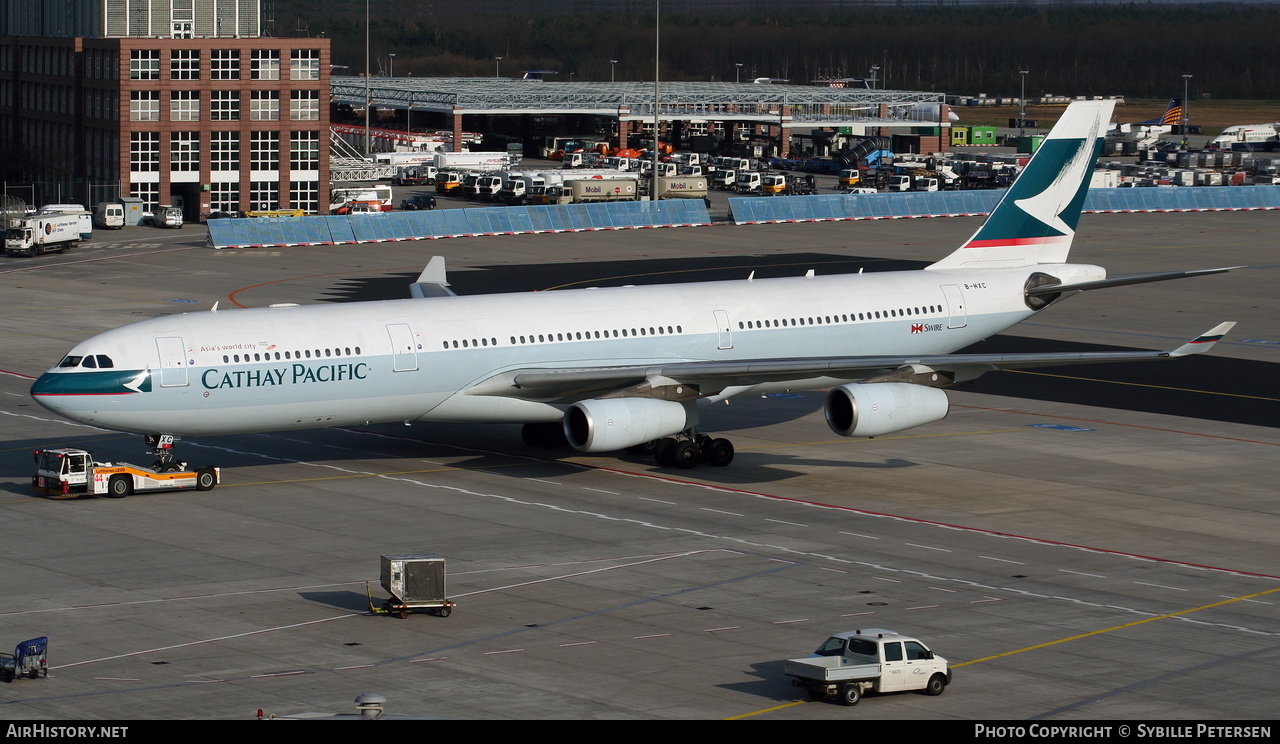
<point>617,368</point>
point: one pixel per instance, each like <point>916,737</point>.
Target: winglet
<point>432,281</point>
<point>1204,342</point>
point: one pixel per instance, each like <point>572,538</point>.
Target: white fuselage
<point>313,366</point>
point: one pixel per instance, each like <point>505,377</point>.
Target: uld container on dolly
<point>29,659</point>
<point>415,582</point>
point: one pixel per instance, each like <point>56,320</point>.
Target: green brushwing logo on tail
<point>1046,200</point>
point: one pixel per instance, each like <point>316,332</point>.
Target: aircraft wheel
<point>119,486</point>
<point>720,453</point>
<point>684,455</point>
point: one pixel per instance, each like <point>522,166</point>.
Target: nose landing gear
<point>162,448</point>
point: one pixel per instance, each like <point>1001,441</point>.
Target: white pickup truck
<point>873,660</point>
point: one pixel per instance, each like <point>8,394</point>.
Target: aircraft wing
<point>706,379</point>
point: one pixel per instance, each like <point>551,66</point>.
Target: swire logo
<point>925,327</point>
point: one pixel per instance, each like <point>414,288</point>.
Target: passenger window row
<point>848,318</point>
<point>278,356</point>
<point>545,338</point>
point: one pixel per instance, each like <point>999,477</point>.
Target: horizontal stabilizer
<point>1121,281</point>
<point>432,282</point>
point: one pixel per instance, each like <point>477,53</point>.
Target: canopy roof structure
<point>774,104</point>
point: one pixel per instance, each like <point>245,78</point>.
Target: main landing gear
<point>687,449</point>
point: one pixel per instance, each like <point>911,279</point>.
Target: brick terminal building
<point>188,108</point>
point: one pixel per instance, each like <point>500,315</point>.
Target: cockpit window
<point>94,361</point>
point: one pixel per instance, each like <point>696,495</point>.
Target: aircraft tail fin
<point>1035,220</point>
<point>1173,114</point>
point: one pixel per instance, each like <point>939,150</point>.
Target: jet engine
<point>609,424</point>
<point>873,409</point>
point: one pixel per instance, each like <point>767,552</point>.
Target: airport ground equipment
<point>29,659</point>
<point>43,233</point>
<point>64,471</point>
<point>415,582</point>
<point>873,660</point>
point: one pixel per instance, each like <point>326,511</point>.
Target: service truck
<point>682,187</point>
<point>417,174</point>
<point>64,471</point>
<point>593,190</point>
<point>475,161</point>
<point>42,233</point>
<point>872,660</point>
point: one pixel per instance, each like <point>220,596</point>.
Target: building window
<point>304,105</point>
<point>224,64</point>
<point>184,151</point>
<point>184,105</point>
<point>144,105</point>
<point>264,105</point>
<point>224,151</point>
<point>144,64</point>
<point>184,64</point>
<point>304,151</point>
<point>264,195</point>
<point>224,105</point>
<point>304,64</point>
<point>264,152</point>
<point>224,197</point>
<point>149,193</point>
<point>305,195</point>
<point>264,64</point>
<point>144,151</point>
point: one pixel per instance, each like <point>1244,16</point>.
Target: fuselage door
<point>404,357</point>
<point>722,328</point>
<point>173,361</point>
<point>956,314</point>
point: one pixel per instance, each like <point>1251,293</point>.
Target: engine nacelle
<point>873,409</point>
<point>609,424</point>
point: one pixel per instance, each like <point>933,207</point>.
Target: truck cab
<point>872,660</point>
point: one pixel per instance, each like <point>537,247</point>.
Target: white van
<point>108,215</point>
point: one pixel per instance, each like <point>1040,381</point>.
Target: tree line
<point>1137,50</point>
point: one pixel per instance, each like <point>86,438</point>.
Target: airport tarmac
<point>1097,543</point>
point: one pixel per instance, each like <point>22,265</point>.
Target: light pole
<point>612,63</point>
<point>1022,103</point>
<point>392,72</point>
<point>366,78</point>
<point>737,72</point>
<point>874,70</point>
<point>1186,108</point>
<point>497,66</point>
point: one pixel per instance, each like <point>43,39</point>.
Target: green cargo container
<point>1030,143</point>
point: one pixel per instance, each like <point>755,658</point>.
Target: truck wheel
<point>937,683</point>
<point>206,479</point>
<point>119,486</point>
<point>850,694</point>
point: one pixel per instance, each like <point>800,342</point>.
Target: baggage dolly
<point>415,582</point>
<point>29,659</point>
